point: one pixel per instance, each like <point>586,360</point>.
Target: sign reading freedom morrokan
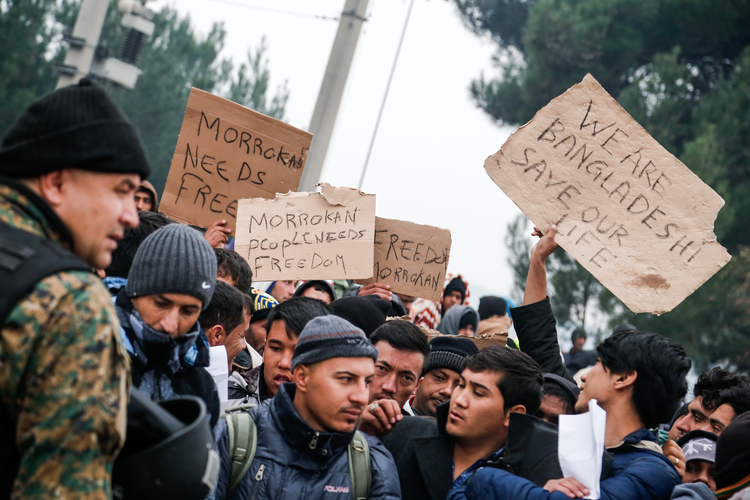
<point>631,213</point>
<point>226,152</point>
<point>326,235</point>
<point>411,258</point>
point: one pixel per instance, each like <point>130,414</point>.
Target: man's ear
<point>513,409</point>
<point>216,335</point>
<point>52,186</point>
<point>419,382</point>
<point>624,380</point>
<point>301,377</point>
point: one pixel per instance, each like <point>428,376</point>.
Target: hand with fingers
<point>216,234</point>
<point>380,417</point>
<point>567,485</point>
<point>380,289</point>
<point>674,453</point>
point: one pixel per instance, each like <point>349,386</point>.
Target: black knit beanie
<point>469,317</point>
<point>490,306</point>
<point>367,312</point>
<point>449,352</point>
<point>733,452</point>
<point>456,285</point>
<point>79,126</point>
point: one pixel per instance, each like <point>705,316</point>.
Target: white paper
<point>580,446</point>
<point>218,368</point>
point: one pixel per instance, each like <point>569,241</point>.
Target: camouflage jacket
<point>63,371</point>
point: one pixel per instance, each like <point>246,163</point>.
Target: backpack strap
<point>243,441</point>
<point>25,260</point>
<point>360,467</point>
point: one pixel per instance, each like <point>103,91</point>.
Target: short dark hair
<point>661,366</point>
<point>230,264</point>
<point>554,389</point>
<point>296,312</point>
<point>122,257</point>
<point>738,397</point>
<point>711,383</point>
<point>226,308</point>
<point>403,336</point>
<point>521,377</point>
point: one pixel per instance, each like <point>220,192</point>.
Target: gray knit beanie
<point>174,259</point>
<point>327,337</point>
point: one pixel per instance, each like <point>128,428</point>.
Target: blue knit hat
<point>327,337</point>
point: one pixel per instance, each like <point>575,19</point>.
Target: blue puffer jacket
<point>637,474</point>
<point>294,461</point>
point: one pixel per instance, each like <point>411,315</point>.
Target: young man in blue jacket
<point>304,432</point>
<point>639,380</point>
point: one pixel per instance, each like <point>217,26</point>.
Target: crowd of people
<point>111,315</point>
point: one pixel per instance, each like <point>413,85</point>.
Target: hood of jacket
<point>452,319</point>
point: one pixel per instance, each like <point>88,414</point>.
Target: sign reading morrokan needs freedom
<point>226,152</point>
<point>630,212</point>
<point>326,235</point>
<point>411,258</point>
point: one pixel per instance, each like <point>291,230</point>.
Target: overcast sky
<point>427,162</point>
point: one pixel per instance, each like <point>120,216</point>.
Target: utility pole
<point>83,43</point>
<point>332,90</point>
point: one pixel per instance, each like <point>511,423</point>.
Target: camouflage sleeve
<point>64,379</point>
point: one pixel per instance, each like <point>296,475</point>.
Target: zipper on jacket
<point>314,443</point>
<point>258,479</point>
<point>157,386</point>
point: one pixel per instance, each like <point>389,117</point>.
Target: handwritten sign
<point>226,152</point>
<point>326,235</point>
<point>631,213</point>
<point>412,258</point>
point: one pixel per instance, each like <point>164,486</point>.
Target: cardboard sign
<point>326,235</point>
<point>226,152</point>
<point>631,213</point>
<point>412,258</point>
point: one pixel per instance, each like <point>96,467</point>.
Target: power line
<point>278,11</point>
<point>387,88</point>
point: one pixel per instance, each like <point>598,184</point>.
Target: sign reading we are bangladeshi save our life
<point>226,152</point>
<point>630,212</point>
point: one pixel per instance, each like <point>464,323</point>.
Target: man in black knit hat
<point>69,168</point>
<point>441,373</point>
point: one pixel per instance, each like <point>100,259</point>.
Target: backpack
<point>243,440</point>
<point>25,259</point>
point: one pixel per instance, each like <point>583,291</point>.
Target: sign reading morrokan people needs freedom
<point>326,235</point>
<point>629,211</point>
<point>226,152</point>
<point>411,258</point>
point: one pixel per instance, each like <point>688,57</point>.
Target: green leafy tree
<point>172,61</point>
<point>26,35</point>
<point>682,70</point>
